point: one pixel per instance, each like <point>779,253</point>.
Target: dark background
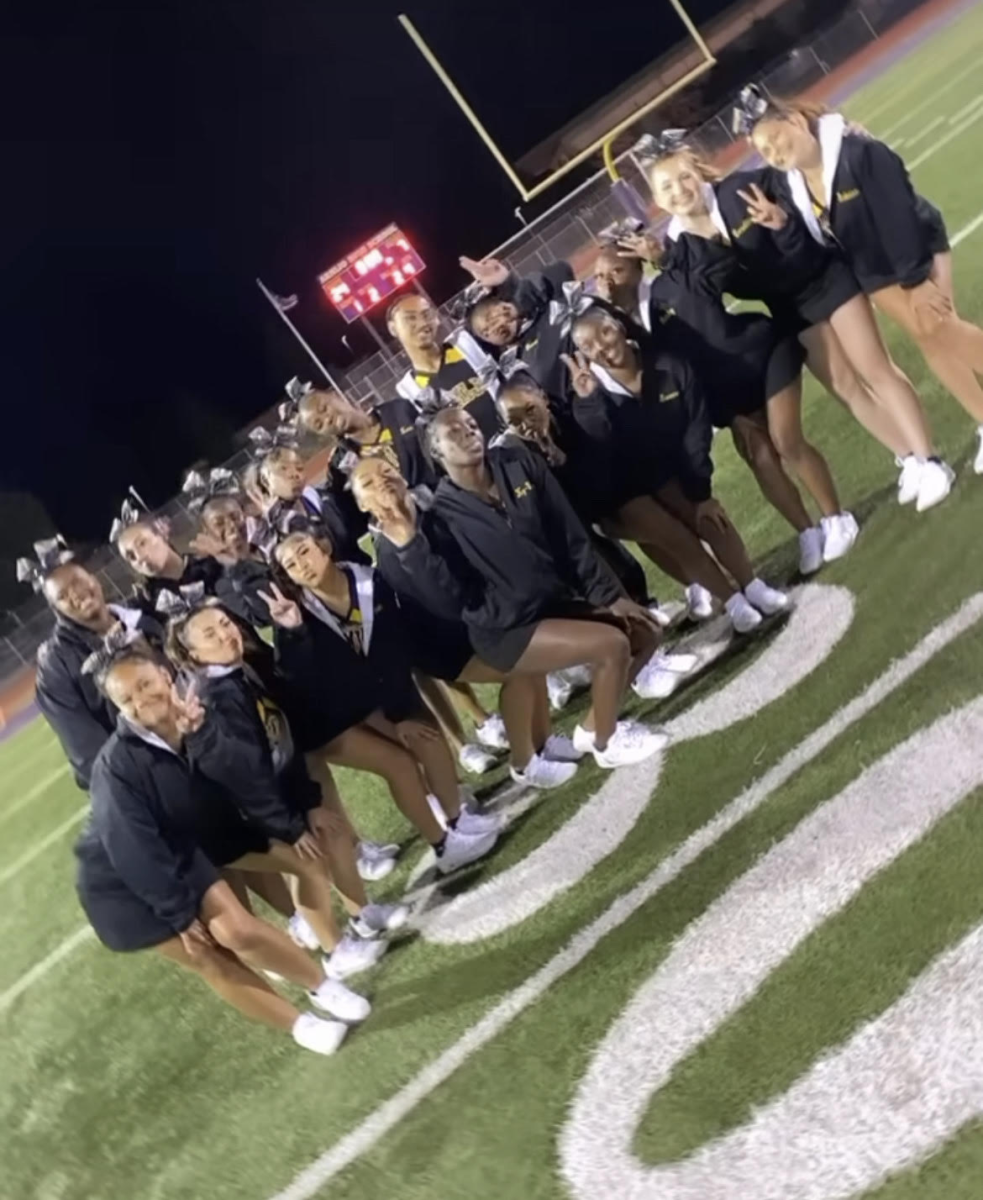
<point>160,156</point>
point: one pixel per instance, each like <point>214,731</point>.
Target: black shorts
<point>502,648</point>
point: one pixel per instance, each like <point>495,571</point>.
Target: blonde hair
<point>706,170</point>
<point>782,110</point>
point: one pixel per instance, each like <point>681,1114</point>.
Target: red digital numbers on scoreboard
<point>370,274</point>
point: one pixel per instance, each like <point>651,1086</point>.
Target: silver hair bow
<point>751,106</point>
<point>129,515</point>
<point>49,553</point>
<point>118,638</point>
<point>651,147</point>
<point>262,441</point>
<point>200,488</point>
<point>617,231</point>
<point>510,364</point>
<point>460,306</point>
<point>430,400</point>
<point>575,302</point>
<point>181,602</point>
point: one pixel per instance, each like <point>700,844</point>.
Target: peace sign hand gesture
<point>190,712</point>
<point>582,378</point>
<point>283,612</point>
<point>763,211</point>
<point>490,272</point>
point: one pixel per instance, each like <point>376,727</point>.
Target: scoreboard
<point>371,274</point>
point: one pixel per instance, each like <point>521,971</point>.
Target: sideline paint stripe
<point>40,787</point>
<point>62,950</point>
<point>966,231</point>
<point>964,112</point>
<point>922,133</point>
<point>944,141</point>
<point>931,99</point>
<point>39,848</point>
<point>364,1136</point>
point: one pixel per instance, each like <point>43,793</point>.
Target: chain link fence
<point>570,230</point>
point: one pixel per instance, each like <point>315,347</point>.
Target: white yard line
<point>365,1135</point>
<point>62,950</point>
<point>25,860</point>
<point>929,100</point>
<point>40,787</point>
<point>964,112</point>
<point>926,131</point>
<point>944,141</point>
<point>966,231</point>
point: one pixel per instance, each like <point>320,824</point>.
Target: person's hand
<point>207,545</point>
<point>307,846</point>
<point>189,710</point>
<point>634,614</point>
<point>283,612</point>
<point>645,246</point>
<point>712,512</point>
<point>420,730</point>
<point>398,520</point>
<point>763,211</point>
<point>196,939</point>
<point>929,306</point>
<point>327,825</point>
<point>490,272</point>
<point>582,378</point>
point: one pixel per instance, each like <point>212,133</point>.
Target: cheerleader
<point>247,746</point>
<point>806,288</point>
<point>752,373</point>
<point>664,430</point>
<point>457,371</point>
<point>142,542</point>
<point>386,431</point>
<point>546,600</point>
<point>342,646</point>
<point>78,712</point>
<point>854,192</point>
<point>148,863</point>
<point>422,564</point>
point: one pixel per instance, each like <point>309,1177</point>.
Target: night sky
<point>160,155</point>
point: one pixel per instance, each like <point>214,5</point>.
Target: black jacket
<point>197,569</point>
<point>333,505</point>
<point>246,747</point>
<point>239,588</point>
<point>457,377</point>
<point>666,432</point>
<point>888,233</point>
<point>532,552</point>
<point>155,815</point>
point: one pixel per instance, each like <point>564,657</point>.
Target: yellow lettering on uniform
<point>531,345</point>
<point>524,489</point>
<point>406,429</point>
<point>742,229</point>
<point>666,396</point>
<point>852,194</point>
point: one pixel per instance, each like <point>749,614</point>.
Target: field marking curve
<point>351,1146</point>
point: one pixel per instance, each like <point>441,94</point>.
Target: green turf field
<point>819,936</point>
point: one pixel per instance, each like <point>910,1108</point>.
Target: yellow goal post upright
<point>530,193</point>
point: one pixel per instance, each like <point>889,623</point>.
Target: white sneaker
<point>700,602</point>
<point>301,933</point>
<point>351,956</point>
<point>492,733</point>
<point>341,1002</point>
<point>475,759</point>
<point>313,1033</point>
<point>375,861</point>
<point>376,919</point>
<point>810,550</point>
<point>559,691</point>
<point>841,533</point>
<point>767,600</point>
<point>544,773</point>
<point>662,617</point>
<point>934,484</point>
<point>630,743</point>
<point>909,479</point>
<point>583,740</point>
<point>743,615</point>
<point>461,849</point>
<point>581,676</point>
<point>559,748</point>
<point>978,460</point>
<point>662,674</point>
<point>473,823</point>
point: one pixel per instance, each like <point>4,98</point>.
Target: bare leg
<point>466,700</point>
<point>827,360</point>
<point>254,941</point>
<point>784,424</point>
<point>542,722</point>
<point>556,644</point>
<point>953,349</point>
<point>856,327</point>
<point>518,703</point>
<point>726,543</point>
<point>235,983</point>
<point>338,839</point>
<point>423,739</point>
<point>647,521</point>
<point>271,888</point>
<point>365,749</point>
<point>753,443</point>
<point>313,894</point>
<point>435,694</point>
